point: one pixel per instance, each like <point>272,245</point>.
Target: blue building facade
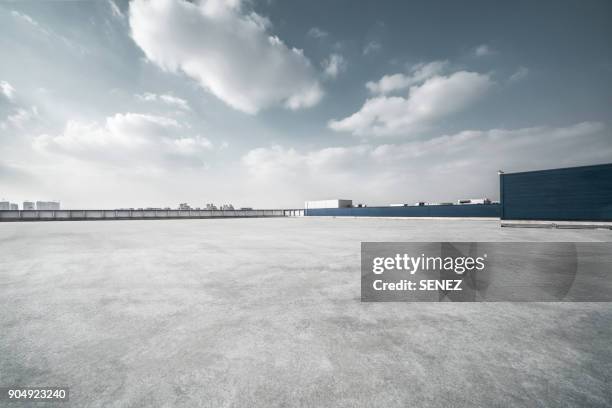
<point>468,210</point>
<point>569,194</point>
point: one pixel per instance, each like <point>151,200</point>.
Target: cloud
<point>371,47</point>
<point>26,18</point>
<point>483,50</point>
<point>227,51</point>
<point>520,74</point>
<point>334,65</point>
<point>49,35</point>
<point>316,32</point>
<point>437,98</point>
<point>20,118</point>
<point>165,98</point>
<point>444,168</point>
<point>115,10</point>
<point>7,90</point>
<point>419,73</point>
<point>128,139</point>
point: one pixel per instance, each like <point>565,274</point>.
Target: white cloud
<point>371,47</point>
<point>165,98</point>
<point>520,74</point>
<point>483,50</point>
<point>444,168</point>
<point>127,139</point>
<point>48,34</point>
<point>25,18</point>
<point>229,52</point>
<point>276,161</point>
<point>7,90</point>
<point>334,65</point>
<point>436,98</point>
<point>316,32</point>
<point>418,73</point>
<point>115,10</point>
<point>20,119</point>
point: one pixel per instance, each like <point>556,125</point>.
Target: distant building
<point>184,206</point>
<point>28,206</point>
<point>581,193</point>
<point>47,205</point>
<point>228,207</point>
<point>5,205</point>
<point>14,207</point>
<point>474,201</point>
<point>328,204</point>
<point>246,208</point>
<point>211,206</point>
<point>398,205</point>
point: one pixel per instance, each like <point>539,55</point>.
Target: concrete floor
<point>266,312</point>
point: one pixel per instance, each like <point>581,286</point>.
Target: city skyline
<point>268,104</point>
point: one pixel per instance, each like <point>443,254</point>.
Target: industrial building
<point>474,201</point>
<point>477,208</point>
<point>572,194</point>
<point>328,204</point>
<point>448,210</point>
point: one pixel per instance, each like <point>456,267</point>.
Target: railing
<point>81,215</point>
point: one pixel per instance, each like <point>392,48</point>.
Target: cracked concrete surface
<point>266,312</point>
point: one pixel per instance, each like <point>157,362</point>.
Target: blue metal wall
<point>468,210</point>
<point>570,194</point>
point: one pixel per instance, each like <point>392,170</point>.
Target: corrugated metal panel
<point>570,194</point>
<point>471,210</point>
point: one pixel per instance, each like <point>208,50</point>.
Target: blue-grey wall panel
<point>571,194</point>
<point>470,210</point>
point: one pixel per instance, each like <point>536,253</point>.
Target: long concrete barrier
<point>92,215</point>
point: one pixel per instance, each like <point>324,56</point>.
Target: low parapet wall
<point>557,224</point>
<point>91,215</point>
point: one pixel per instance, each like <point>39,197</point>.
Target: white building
<point>28,205</point>
<point>474,201</point>
<point>328,204</point>
<point>5,205</point>
<point>47,205</point>
<point>14,207</point>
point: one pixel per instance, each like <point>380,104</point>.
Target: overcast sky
<point>269,103</point>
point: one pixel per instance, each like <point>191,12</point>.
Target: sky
<point>266,104</point>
